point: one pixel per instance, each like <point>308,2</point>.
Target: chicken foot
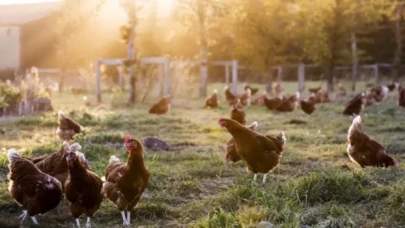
<point>124,223</point>
<point>78,223</point>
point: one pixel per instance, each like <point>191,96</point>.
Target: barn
<point>18,44</point>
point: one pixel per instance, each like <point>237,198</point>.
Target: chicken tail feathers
<point>253,126</point>
<point>60,115</point>
<point>12,155</point>
<point>113,159</point>
<point>75,147</point>
<point>282,138</point>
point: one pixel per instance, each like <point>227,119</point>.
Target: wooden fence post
<point>227,74</point>
<point>167,75</point>
<point>98,80</point>
<point>235,77</point>
<point>161,79</point>
<point>376,73</point>
<point>301,77</point>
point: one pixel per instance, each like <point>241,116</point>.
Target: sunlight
<point>165,7</point>
<point>9,2</point>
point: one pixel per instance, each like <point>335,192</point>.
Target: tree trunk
<point>61,80</point>
<point>269,81</point>
<point>396,65</point>
<point>301,77</point>
<point>330,75</point>
<point>355,60</point>
<point>203,50</point>
<point>131,56</point>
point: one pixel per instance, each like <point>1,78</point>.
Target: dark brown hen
<point>67,127</point>
<point>34,190</point>
<point>355,105</point>
<point>83,188</point>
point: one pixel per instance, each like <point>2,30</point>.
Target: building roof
<point>19,14</point>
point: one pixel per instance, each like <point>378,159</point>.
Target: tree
<point>73,19</point>
<point>201,13</point>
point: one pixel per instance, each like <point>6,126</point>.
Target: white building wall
<point>9,47</point>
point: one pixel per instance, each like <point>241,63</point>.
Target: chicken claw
<point>23,215</point>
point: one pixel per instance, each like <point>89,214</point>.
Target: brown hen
<point>161,107</point>
<point>238,113</point>
<point>212,101</point>
<point>125,182</point>
<point>261,153</point>
<point>34,190</point>
<point>82,188</point>
<point>67,127</point>
<point>365,151</point>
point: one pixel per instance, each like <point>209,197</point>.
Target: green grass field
<point>316,185</point>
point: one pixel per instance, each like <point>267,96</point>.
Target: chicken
<point>401,96</point>
<point>212,101</point>
<point>391,87</point>
<point>289,104</point>
<point>67,128</point>
<point>369,99</point>
<point>341,91</point>
<point>230,154</point>
<point>161,107</point>
<point>245,98</point>
<point>380,93</point>
<point>55,164</point>
<point>252,90</point>
<point>125,182</point>
<point>322,96</point>
<point>355,105</point>
<point>83,188</point>
<point>34,190</point>
<point>278,90</point>
<point>308,106</point>
<point>365,151</point>
<point>261,153</point>
<point>272,103</point>
<point>259,100</point>
<point>315,90</point>
<point>229,96</point>
<point>238,113</point>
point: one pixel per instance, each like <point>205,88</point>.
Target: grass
<point>191,185</point>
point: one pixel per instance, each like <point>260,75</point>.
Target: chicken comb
<point>127,138</point>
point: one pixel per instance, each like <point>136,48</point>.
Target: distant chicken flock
<point>39,184</point>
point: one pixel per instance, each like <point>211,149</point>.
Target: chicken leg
<point>23,215</point>
<point>88,224</point>
<point>34,220</point>
<point>78,223</point>
<point>128,218</point>
<point>264,178</point>
<point>123,218</point>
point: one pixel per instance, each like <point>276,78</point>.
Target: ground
<point>191,185</point>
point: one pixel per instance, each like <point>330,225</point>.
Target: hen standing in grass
<point>289,104</point>
<point>229,96</point>
<point>125,182</point>
<point>308,106</point>
<point>355,105</point>
<point>261,153</point>
<point>34,190</point>
<point>212,101</point>
<point>272,103</point>
<point>238,113</point>
<point>161,107</point>
<point>252,90</point>
<point>245,98</point>
<point>67,128</point>
<point>380,93</point>
<point>365,151</point>
<point>231,155</point>
<point>83,188</point>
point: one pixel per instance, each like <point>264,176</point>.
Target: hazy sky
<point>4,2</point>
